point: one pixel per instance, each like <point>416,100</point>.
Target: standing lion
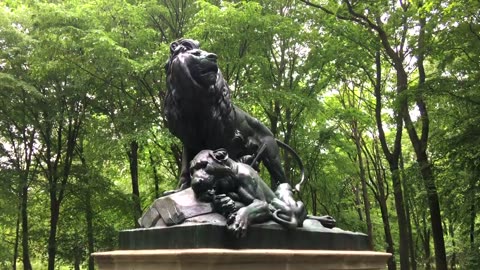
<point>199,112</point>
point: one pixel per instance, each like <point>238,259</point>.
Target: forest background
<point>381,99</point>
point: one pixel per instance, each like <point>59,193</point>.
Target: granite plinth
<point>259,236</point>
<point>256,259</point>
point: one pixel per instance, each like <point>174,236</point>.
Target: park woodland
<point>380,99</point>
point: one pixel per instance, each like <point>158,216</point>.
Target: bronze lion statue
<point>198,111</point>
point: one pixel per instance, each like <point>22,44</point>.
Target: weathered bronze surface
<point>219,179</point>
<point>220,196</point>
<point>201,226</point>
<point>202,234</point>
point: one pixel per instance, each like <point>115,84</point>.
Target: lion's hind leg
<point>283,214</point>
<point>256,212</point>
<point>296,209</point>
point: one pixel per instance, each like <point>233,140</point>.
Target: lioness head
<point>207,168</point>
<point>191,68</point>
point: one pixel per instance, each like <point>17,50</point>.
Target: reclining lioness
<point>239,193</point>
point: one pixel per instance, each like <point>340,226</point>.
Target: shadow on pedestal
<point>261,236</point>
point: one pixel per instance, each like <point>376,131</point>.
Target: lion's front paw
<point>328,221</point>
<point>238,223</point>
<point>224,204</point>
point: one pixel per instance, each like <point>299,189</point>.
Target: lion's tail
<point>299,161</point>
<point>291,223</point>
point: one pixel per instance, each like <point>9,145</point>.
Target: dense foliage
<point>379,98</point>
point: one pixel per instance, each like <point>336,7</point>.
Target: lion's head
<point>189,68</point>
<point>198,97</point>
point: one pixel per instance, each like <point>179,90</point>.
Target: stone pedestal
<point>181,233</point>
<point>259,236</point>
<point>247,259</point>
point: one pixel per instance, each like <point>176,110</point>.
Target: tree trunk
<point>133,160</point>
<point>358,204</point>
<point>473,209</point>
<point>156,178</point>
<point>426,243</point>
<point>76,263</point>
<point>52,237</point>
<point>366,200</point>
<point>401,217</point>
<point>89,221</point>
<point>313,196</point>
<point>382,201</point>
<point>17,238</point>
<point>88,209</point>
<point>413,259</point>
<point>453,261</point>
<point>25,247</point>
<point>393,159</point>
<point>388,234</point>
<point>420,146</point>
<point>273,117</point>
<point>472,225</point>
<point>435,215</point>
<point>423,233</point>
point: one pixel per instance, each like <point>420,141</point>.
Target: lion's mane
<point>200,115</point>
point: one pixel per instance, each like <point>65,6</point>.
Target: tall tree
<point>16,126</point>
<point>354,121</point>
<point>20,134</point>
<point>60,110</point>
<point>395,48</point>
<point>452,89</point>
<point>124,61</point>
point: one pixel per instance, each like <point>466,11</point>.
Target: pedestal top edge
<point>240,252</point>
